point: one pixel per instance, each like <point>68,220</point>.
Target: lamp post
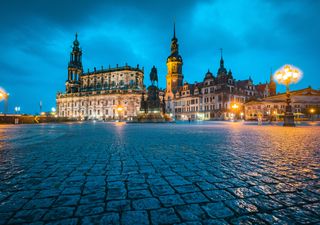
<point>119,109</point>
<point>287,75</point>
<point>311,112</point>
<point>235,107</point>
<point>17,109</point>
<point>4,95</point>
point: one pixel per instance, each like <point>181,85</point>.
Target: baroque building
<point>305,103</point>
<point>214,97</point>
<point>111,93</point>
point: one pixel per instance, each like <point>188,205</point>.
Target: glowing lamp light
<point>312,110</point>
<point>53,109</point>
<point>288,74</point>
<point>234,106</point>
<point>119,108</point>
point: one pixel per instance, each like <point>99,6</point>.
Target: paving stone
<point>71,191</point>
<point>205,186</point>
<point>241,206</point>
<point>59,213</point>
<point>67,200</point>
<point>134,186</point>
<point>171,200</point>
<point>265,203</point>
<point>272,219</point>
<point>48,193</point>
<point>145,203</point>
<point>226,176</point>
<point>164,216</point>
<point>139,194</point>
<point>134,217</point>
<point>93,198</point>
<point>159,190</point>
<point>119,205</point>
<point>195,197</point>
<point>288,199</point>
<point>106,218</point>
<point>192,212</point>
<point>91,209</point>
<point>27,216</point>
<point>39,203</point>
<point>187,189</point>
<point>215,222</point>
<point>248,220</point>
<point>314,207</point>
<point>4,217</point>
<point>218,195</point>
<point>116,193</point>
<point>10,205</point>
<point>217,210</point>
<point>243,192</point>
<point>71,221</point>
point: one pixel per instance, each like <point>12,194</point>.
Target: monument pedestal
<point>288,120</point>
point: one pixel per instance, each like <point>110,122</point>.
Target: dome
<point>76,42</point>
<point>208,75</point>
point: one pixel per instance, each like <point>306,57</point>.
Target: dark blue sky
<point>36,36</point>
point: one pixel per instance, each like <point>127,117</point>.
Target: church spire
<point>174,41</point>
<point>221,60</point>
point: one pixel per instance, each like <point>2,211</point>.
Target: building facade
<point>305,104</point>
<point>111,93</point>
<point>218,96</point>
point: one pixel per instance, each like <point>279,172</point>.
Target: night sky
<point>36,39</point>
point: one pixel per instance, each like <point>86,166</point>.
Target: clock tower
<point>174,76</point>
<point>74,68</point>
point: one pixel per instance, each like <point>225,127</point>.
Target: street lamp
<point>287,75</point>
<point>311,112</point>
<point>235,107</point>
<point>119,109</point>
<point>17,109</point>
<point>4,95</point>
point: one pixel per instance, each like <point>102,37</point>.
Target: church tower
<point>272,86</point>
<point>174,76</point>
<point>74,68</point>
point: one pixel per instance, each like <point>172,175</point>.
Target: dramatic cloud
<point>256,36</point>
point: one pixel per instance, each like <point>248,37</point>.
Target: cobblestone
<point>211,173</point>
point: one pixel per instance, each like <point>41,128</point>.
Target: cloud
<point>255,35</point>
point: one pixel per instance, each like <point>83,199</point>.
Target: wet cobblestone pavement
<point>159,174</point>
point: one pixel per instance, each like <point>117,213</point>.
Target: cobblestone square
<point>206,173</point>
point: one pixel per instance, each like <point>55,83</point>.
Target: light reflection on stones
<point>255,173</point>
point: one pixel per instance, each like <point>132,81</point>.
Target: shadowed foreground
<point>214,173</point>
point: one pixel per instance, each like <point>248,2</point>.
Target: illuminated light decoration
<point>235,106</point>
<point>17,109</point>
<point>4,96</point>
<point>53,109</point>
<point>287,75</point>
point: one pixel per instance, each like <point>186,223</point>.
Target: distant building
<point>110,93</point>
<point>213,97</point>
<point>305,103</point>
